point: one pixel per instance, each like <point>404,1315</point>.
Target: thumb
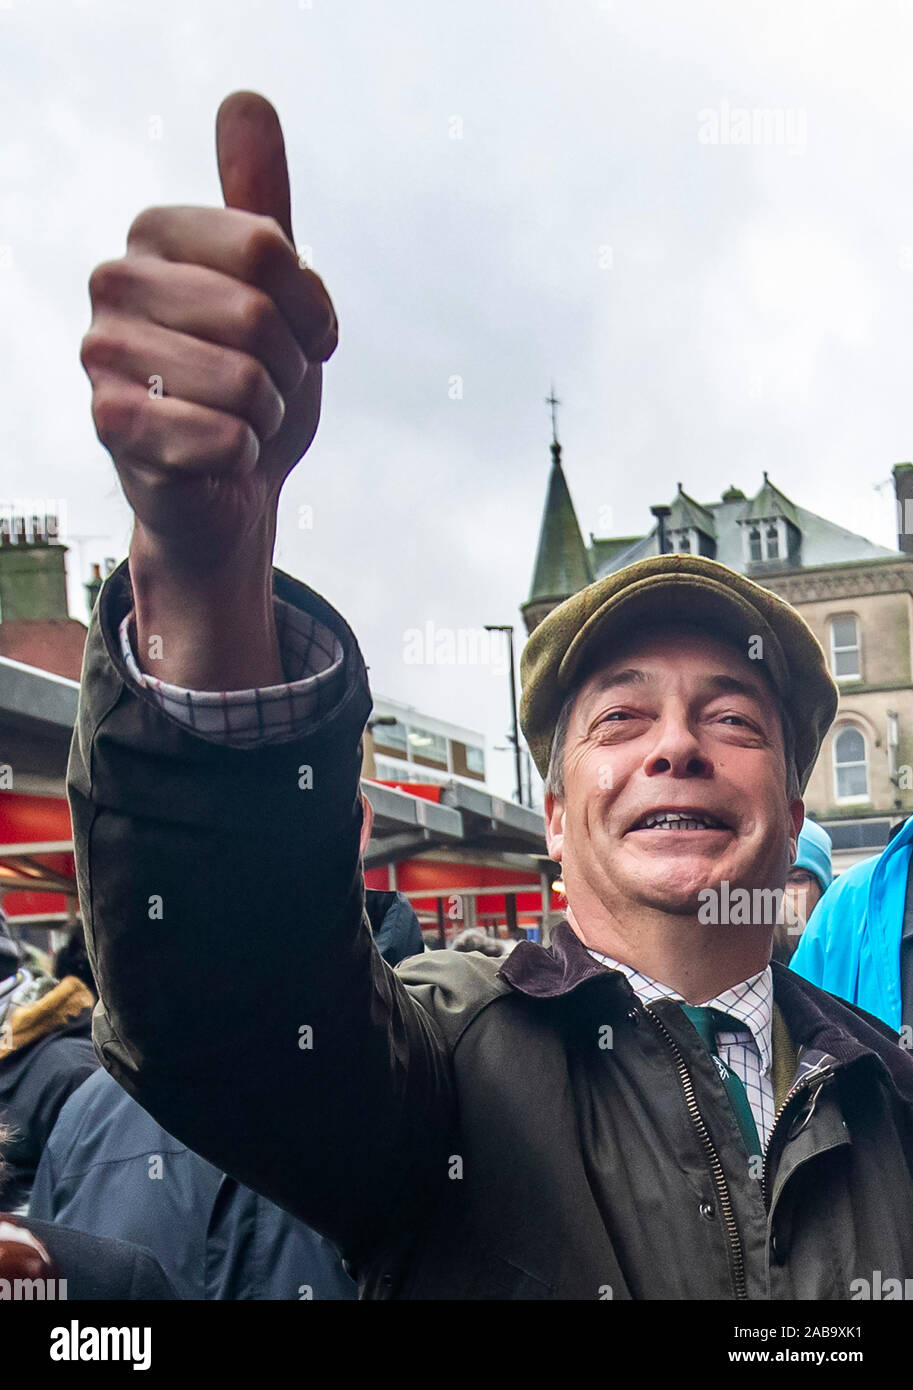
<point>251,154</point>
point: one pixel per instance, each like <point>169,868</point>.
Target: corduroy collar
<point>547,972</point>
<point>814,1018</point>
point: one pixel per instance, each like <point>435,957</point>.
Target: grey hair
<point>554,776</point>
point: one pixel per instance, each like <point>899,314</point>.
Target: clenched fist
<point>205,350</point>
<point>205,354</point>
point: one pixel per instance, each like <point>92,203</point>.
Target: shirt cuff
<point>312,659</point>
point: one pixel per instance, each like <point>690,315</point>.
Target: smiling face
<point>674,779</point>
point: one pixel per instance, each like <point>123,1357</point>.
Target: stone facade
<point>856,596</point>
<point>878,701</point>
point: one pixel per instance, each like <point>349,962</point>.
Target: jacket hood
<point>56,1010</point>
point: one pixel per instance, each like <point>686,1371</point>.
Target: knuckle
<point>248,384</point>
<point>170,454</point>
<point>330,342</point>
<point>254,319</point>
<point>115,414</point>
<point>240,443</point>
<point>145,225</point>
<point>263,248</point>
<point>101,348</point>
<point>329,333</point>
<point>324,315</point>
<point>107,281</point>
<point>172,451</point>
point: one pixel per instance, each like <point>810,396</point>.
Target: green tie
<point>708,1022</point>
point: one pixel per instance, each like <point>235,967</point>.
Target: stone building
<point>856,596</point>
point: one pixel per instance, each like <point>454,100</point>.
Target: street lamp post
<point>515,735</point>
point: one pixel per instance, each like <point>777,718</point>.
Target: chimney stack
<point>33,577</point>
<point>93,587</point>
<point>903,490</point>
<point>662,513</point>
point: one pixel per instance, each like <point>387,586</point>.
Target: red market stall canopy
<point>37,871</point>
<point>446,847</point>
<point>495,869</point>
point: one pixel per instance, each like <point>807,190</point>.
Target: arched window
<point>845,662</point>
<point>754,543</point>
<point>684,543</point>
<point>773,541</point>
<point>851,771</point>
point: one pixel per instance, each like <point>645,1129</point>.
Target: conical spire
<point>562,562</point>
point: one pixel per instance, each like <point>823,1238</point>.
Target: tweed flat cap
<point>677,589</point>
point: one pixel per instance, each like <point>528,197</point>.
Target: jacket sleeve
<point>242,1002</point>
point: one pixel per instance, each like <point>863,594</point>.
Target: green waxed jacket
<point>462,1127</point>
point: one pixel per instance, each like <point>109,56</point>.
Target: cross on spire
<point>553,401</point>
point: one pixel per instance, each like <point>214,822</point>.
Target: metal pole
<point>515,733</point>
<point>513,714</point>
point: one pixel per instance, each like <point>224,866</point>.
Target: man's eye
<point>737,720</point>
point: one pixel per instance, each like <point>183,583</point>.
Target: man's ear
<point>367,823</point>
<point>797,816</point>
<point>554,827</point>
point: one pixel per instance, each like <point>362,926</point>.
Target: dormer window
<point>764,539</point>
<point>690,529</point>
<point>685,541</point>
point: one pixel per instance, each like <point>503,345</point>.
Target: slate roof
<point>685,512</point>
<point>770,501</point>
<point>823,542</point>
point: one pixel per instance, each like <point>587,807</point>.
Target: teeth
<point>674,820</point>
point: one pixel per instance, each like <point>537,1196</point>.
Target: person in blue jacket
<point>110,1170</point>
<point>859,940</point>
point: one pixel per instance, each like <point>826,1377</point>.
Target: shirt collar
<point>751,1002</point>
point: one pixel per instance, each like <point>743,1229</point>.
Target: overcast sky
<point>506,192</point>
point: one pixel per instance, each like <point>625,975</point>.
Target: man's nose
<point>677,751</point>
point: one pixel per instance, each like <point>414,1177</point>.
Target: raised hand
<point>205,354</point>
<point>205,346</point>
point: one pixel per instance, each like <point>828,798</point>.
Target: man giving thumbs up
<point>561,1124</point>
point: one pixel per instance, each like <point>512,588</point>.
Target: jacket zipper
<point>816,1078</point>
<point>716,1167</point>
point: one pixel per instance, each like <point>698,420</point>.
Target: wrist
<point>204,623</point>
